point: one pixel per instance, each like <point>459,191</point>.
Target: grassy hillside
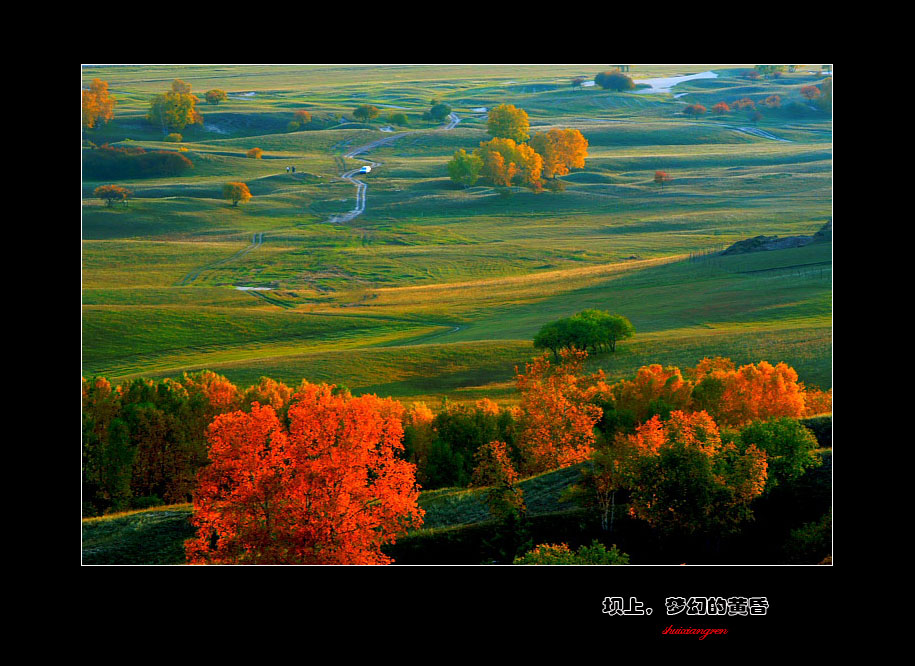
<point>435,290</point>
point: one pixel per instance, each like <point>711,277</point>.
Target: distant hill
<point>763,243</point>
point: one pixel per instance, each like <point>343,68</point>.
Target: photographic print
<point>465,316</point>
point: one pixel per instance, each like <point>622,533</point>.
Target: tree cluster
<point>614,80</point>
<point>144,441</point>
<point>111,162</point>
<point>317,476</point>
<point>507,160</point>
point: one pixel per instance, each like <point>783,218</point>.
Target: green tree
<point>398,118</point>
<point>507,122</point>
<point>790,448</point>
<point>439,111</point>
<point>614,80</point>
<point>465,168</point>
<point>365,112</point>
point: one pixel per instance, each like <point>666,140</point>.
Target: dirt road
<point>361,186</point>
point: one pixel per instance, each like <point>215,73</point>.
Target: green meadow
<point>435,291</point>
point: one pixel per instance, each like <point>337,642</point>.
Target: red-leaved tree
<point>329,489</point>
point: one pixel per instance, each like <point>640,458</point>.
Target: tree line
<point>266,452</point>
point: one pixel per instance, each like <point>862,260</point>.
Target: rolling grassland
<point>435,290</point>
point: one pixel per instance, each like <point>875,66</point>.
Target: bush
<point>555,185</point>
<point>174,137</point>
<point>255,153</point>
<point>293,126</point>
<point>147,502</point>
<point>596,553</point>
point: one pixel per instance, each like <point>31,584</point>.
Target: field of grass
<point>436,291</point>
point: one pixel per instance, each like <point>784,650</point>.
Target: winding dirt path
<point>361,186</point>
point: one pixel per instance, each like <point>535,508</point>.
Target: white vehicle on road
<point>365,169</point>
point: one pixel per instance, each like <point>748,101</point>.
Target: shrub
<point>146,502</point>
<point>255,153</point>
<point>596,553</point>
<point>398,118</point>
<point>293,126</point>
<point>174,137</point>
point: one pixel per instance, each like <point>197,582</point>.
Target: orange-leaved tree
<point>331,488</point>
<point>236,192</point>
<point>110,193</point>
<point>505,161</point>
<point>557,418</point>
<point>752,392</point>
<point>98,104</point>
<point>654,390</point>
<point>561,150</point>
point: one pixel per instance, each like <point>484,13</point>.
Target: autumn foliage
<point>508,122</point>
<point>328,489</point>
<point>684,479</point>
<point>175,109</point>
<point>506,162</point>
<point>98,104</point>
<point>111,193</point>
<point>661,177</point>
<point>557,416</point>
<point>215,96</point>
<point>236,192</point>
<point>561,150</point>
<point>811,92</point>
